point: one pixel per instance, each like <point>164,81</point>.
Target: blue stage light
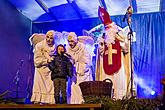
<point>153,92</point>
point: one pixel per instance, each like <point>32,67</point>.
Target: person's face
<point>50,39</point>
<point>72,43</point>
<point>60,50</point>
<point>108,27</point>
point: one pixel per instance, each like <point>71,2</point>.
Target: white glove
<point>50,59</point>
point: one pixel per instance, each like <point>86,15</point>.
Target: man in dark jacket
<point>61,68</point>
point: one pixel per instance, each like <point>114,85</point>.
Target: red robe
<point>112,58</point>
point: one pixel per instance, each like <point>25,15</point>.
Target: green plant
<point>125,104</point>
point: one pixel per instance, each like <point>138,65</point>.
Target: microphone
<point>70,58</point>
<point>66,54</point>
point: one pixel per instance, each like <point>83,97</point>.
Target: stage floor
<point>54,106</point>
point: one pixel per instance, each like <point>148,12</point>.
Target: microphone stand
<point>17,78</point>
<point>130,35</point>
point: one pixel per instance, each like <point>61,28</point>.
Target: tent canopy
<point>60,10</point>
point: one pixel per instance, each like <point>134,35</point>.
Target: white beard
<point>111,33</point>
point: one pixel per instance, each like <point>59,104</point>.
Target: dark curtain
<point>147,52</point>
<point>15,68</point>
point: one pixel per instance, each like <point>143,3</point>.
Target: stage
<point>54,106</point>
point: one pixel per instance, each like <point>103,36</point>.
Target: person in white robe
<point>82,63</point>
<point>111,61</point>
<point>43,89</point>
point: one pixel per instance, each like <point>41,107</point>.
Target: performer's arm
<point>39,58</point>
<point>51,65</point>
<point>84,63</point>
<point>101,46</point>
<point>70,68</point>
<point>124,43</point>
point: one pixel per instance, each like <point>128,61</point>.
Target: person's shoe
<point>64,101</point>
<point>57,100</point>
<point>36,102</point>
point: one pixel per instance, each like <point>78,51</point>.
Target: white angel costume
<point>43,89</point>
<point>82,63</point>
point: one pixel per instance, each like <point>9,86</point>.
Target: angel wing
<point>36,38</point>
<point>61,37</point>
<point>86,40</point>
<point>95,32</point>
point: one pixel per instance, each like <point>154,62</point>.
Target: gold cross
<point>110,51</point>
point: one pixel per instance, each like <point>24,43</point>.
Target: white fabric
<point>119,78</point>
<point>43,89</point>
<point>82,61</point>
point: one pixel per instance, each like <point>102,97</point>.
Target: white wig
<point>51,33</point>
<point>72,36</point>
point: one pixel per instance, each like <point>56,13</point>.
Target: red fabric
<point>116,59</point>
<point>104,16</point>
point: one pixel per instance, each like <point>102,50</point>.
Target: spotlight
<point>153,92</point>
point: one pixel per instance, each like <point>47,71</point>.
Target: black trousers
<point>60,86</point>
